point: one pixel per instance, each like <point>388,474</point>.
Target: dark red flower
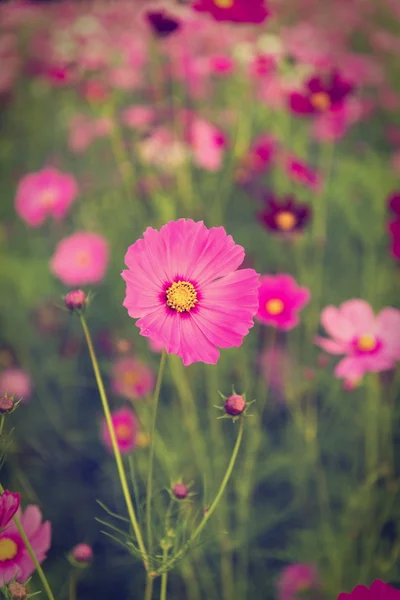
<point>394,232</point>
<point>285,215</point>
<point>322,94</point>
<point>237,11</point>
<point>161,23</point>
<point>394,203</point>
<point>378,591</point>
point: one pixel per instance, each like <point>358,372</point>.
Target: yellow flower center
<point>274,306</point>
<point>320,101</point>
<point>366,342</point>
<point>48,197</point>
<point>285,220</point>
<point>130,378</point>
<point>181,296</point>
<point>8,549</point>
<point>224,3</point>
<point>83,259</point>
<point>123,432</point>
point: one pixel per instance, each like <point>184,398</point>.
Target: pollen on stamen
<point>181,296</point>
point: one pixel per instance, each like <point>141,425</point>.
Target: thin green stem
<point>2,420</point>
<point>72,585</point>
<point>32,554</point>
<point>114,443</point>
<point>148,594</point>
<point>151,457</point>
<point>217,498</point>
<point>164,578</point>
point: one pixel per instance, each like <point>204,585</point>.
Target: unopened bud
<point>75,300</point>
<point>235,405</point>
<point>180,491</point>
<point>82,553</point>
<point>6,404</point>
<point>17,590</point>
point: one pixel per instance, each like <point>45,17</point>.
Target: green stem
<point>151,458</point>
<point>114,443</point>
<point>32,554</point>
<point>2,420</point>
<point>148,594</point>
<point>164,579</point>
<point>217,498</point>
<point>72,585</point>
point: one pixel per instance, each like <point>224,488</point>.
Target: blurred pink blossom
<point>369,342</point>
<point>48,192</point>
<point>139,116</point>
<point>301,172</point>
<point>295,580</point>
<point>16,382</point>
<point>207,143</point>
<point>131,378</point>
<point>126,428</point>
<point>80,259</point>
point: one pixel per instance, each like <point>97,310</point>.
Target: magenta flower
<point>82,553</point>
<point>15,561</point>
<point>80,259</point>
<point>131,378</point>
<point>378,591</point>
<point>126,429</point>
<point>45,193</point>
<point>371,343</point>
<point>16,382</point>
<point>394,224</point>
<point>183,285</point>
<point>280,300</point>
<point>9,504</point>
<point>301,172</point>
<point>295,580</point>
<point>258,159</point>
<point>322,94</point>
<point>238,11</point>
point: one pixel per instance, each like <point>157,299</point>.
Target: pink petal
<point>388,329</point>
<point>31,520</point>
<point>349,367</point>
<point>330,345</point>
<point>195,346</point>
<point>360,314</point>
<point>7,573</point>
<point>337,325</point>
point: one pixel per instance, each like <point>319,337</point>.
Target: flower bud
<point>82,553</point>
<point>235,405</point>
<point>17,590</point>
<point>75,300</point>
<point>6,404</point>
<point>180,491</point>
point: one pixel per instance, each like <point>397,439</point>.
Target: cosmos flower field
<point>199,307</point>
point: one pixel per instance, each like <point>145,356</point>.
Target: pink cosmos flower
<point>131,378</point>
<point>378,591</point>
<point>138,117</point>
<point>126,429</point>
<point>80,259</point>
<point>16,382</point>
<point>370,343</point>
<point>84,130</point>
<point>9,504</point>
<point>258,159</point>
<point>15,561</point>
<point>295,580</point>
<point>208,144</point>
<point>47,192</point>
<point>280,300</point>
<point>221,64</point>
<point>301,172</point>
<point>183,285</point>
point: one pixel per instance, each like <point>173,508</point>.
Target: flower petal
<point>360,314</point>
<point>336,325</point>
<point>330,345</point>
